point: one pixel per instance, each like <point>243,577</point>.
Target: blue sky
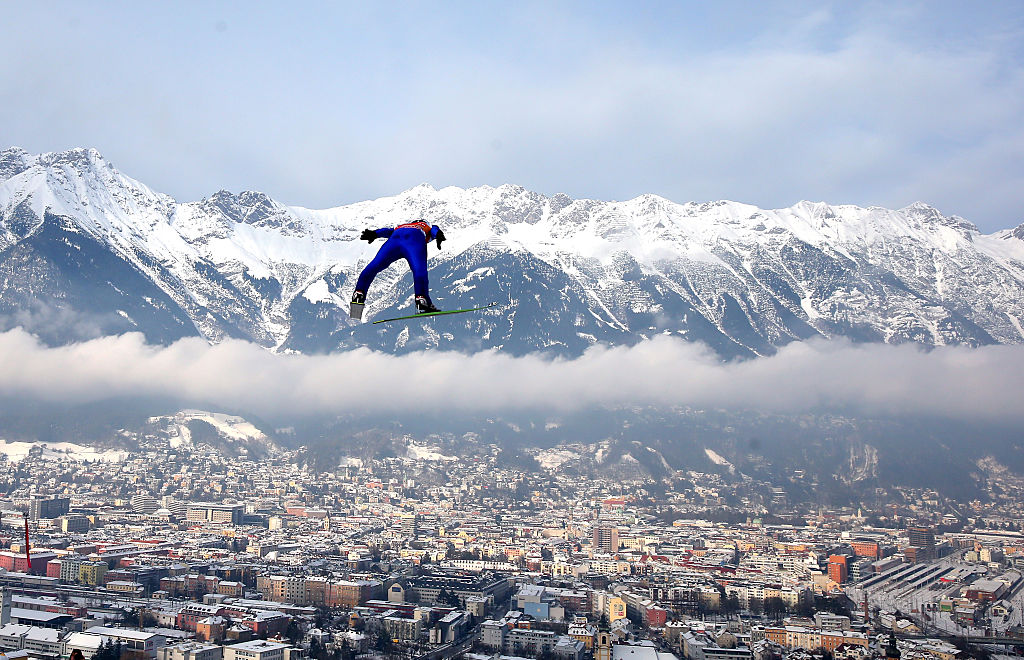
<point>331,103</point>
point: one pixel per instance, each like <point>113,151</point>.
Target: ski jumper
<point>409,242</point>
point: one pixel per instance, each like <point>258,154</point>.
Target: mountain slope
<point>79,240</point>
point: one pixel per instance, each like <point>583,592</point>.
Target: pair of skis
<point>440,313</point>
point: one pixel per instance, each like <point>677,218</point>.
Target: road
<point>453,649</point>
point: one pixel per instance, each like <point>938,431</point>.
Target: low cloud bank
<point>983,384</point>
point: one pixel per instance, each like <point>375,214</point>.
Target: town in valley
<point>178,550</point>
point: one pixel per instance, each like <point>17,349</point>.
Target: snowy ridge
<point>743,279</point>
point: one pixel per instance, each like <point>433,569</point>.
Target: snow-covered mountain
<point>87,251</point>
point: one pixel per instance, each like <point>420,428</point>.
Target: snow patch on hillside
<point>317,292</point>
<point>551,459</point>
<point>180,435</point>
<point>718,459</point>
<point>426,453</point>
<point>466,284</point>
<point>19,451</point>
<point>231,427</point>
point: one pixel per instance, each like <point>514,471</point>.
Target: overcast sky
<point>322,104</point>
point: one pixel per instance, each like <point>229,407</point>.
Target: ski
<point>441,313</point>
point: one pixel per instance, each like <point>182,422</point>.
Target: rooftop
<point>259,645</point>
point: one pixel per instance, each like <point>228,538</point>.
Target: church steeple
<point>891,651</point>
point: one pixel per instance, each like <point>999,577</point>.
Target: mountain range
<point>86,251</point>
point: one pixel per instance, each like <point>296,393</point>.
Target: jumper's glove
<point>438,238</point>
<point>368,235</point>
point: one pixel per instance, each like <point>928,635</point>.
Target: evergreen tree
<point>104,651</point>
<point>774,607</point>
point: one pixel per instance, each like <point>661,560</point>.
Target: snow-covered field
<point>549,459</point>
<point>426,453</point>
<point>18,451</point>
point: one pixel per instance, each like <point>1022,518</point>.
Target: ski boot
<point>355,309</point>
<point>424,305</point>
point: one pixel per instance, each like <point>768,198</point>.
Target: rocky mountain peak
<point>13,161</point>
<point>565,273</point>
<point>928,214</point>
<point>78,158</point>
<point>559,201</point>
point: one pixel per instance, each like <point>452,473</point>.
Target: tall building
<point>921,537</point>
<point>5,606</point>
<point>73,523</point>
<point>922,544</point>
<point>217,513</point>
<point>71,568</point>
<point>615,609</point>
<point>178,508</point>
<point>606,538</point>
<point>409,524</point>
<point>92,572</point>
<point>838,568</point>
<point>142,503</point>
<point>48,507</point>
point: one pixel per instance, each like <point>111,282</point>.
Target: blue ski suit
<point>409,242</point>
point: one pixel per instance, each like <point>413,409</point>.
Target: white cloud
<point>975,384</point>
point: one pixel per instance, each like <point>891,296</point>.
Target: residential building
<point>605,539</point>
<point>257,649</point>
